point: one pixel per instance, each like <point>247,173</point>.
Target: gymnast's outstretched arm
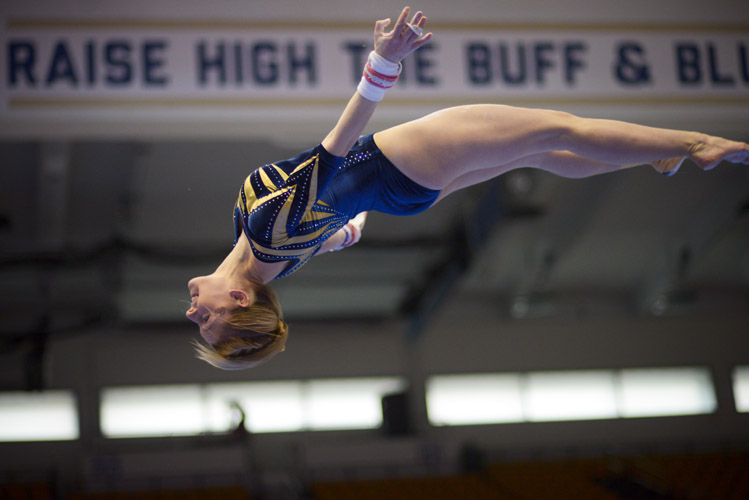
<point>392,47</point>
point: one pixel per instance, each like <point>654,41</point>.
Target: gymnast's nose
<point>192,314</point>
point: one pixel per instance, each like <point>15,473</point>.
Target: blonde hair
<point>258,334</point>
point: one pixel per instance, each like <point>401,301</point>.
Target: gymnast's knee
<point>565,129</point>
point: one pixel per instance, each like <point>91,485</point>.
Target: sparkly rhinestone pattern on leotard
<point>279,210</point>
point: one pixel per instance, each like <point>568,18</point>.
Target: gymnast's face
<point>210,299</point>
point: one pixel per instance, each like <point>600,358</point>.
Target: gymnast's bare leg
<point>460,146</point>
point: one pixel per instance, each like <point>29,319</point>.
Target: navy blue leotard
<point>289,208</point>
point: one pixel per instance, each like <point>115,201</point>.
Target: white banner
<point>103,63</point>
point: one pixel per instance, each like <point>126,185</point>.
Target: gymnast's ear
<point>242,298</point>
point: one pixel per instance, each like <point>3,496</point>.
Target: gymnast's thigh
<point>440,147</point>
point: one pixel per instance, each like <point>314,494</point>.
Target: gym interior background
<point>589,337</point>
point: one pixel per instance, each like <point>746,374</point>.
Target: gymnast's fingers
<point>401,22</point>
<point>417,18</point>
<point>423,38</point>
<point>380,26</point>
<point>422,21</point>
<point>413,29</point>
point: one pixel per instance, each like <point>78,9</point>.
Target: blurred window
<point>38,416</point>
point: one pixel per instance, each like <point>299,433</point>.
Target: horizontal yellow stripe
<point>315,216</point>
<point>224,24</point>
<point>283,239</point>
<point>283,253</point>
<point>30,102</point>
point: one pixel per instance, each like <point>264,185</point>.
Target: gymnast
<point>317,201</point>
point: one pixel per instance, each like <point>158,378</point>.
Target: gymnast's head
<point>241,323</point>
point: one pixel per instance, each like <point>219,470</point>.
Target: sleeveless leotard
<point>289,208</point>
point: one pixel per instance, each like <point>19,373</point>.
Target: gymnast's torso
<point>289,208</point>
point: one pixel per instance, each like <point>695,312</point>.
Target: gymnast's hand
<point>348,235</point>
<point>355,227</point>
<point>403,39</point>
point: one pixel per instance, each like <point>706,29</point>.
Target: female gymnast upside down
<point>317,201</point>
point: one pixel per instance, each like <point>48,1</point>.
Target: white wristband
<point>384,66</point>
<point>351,236</point>
<point>378,76</point>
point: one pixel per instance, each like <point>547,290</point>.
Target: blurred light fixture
<point>38,416</point>
<point>519,183</point>
<point>741,388</point>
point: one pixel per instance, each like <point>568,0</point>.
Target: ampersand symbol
<point>632,69</point>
